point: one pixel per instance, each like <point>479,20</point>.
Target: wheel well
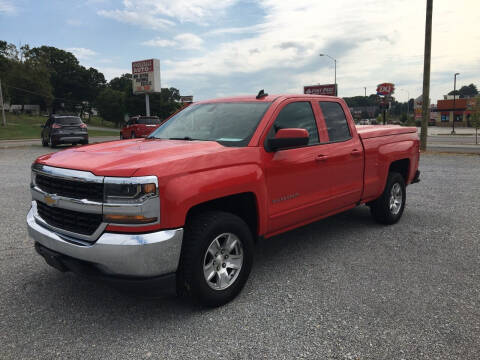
<point>243,205</point>
<point>402,167</point>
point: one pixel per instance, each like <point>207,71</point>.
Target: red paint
<point>291,187</point>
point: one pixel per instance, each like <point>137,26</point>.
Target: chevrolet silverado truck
<point>185,206</point>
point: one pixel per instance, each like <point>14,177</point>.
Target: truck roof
<point>268,98</point>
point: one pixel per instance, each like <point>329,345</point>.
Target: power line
<point>43,95</point>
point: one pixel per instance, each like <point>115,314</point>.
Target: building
<point>460,112</point>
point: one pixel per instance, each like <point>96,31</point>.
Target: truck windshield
<point>228,123</point>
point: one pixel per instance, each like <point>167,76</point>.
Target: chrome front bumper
<point>138,255</point>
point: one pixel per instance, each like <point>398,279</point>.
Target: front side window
<point>297,115</point>
<point>228,123</point>
<point>335,121</point>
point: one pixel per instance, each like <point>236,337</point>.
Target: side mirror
<point>288,138</point>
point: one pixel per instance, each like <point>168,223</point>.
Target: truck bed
<point>373,131</point>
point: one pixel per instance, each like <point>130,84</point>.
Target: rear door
<point>343,152</point>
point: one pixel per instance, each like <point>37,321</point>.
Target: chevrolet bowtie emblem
<point>49,200</point>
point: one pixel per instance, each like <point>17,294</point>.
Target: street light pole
<point>365,91</point>
<point>335,64</point>
<point>454,107</point>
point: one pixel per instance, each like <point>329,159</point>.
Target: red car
<point>139,126</point>
<point>186,207</point>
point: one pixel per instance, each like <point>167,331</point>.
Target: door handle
<point>356,152</point>
<point>321,157</point>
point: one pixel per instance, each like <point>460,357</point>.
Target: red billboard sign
<point>143,66</point>
<point>385,89</point>
<point>320,89</point>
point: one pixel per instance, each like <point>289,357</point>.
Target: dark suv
<point>64,129</point>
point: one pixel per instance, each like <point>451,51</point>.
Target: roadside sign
<point>385,89</point>
<point>146,76</point>
<point>328,89</point>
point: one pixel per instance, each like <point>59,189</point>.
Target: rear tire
<point>388,208</point>
<point>44,142</point>
<point>217,256</point>
<point>52,143</point>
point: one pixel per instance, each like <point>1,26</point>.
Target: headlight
<point>129,190</point>
<point>131,201</point>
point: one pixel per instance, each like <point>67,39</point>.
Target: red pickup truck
<point>139,126</point>
<point>186,205</point>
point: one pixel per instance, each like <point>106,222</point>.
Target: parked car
<point>186,206</point>
<point>64,129</point>
<point>139,126</point>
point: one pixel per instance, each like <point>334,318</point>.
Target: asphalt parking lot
<point>341,288</point>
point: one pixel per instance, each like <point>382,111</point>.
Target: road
<point>341,288</point>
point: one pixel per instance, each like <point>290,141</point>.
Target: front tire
<point>217,256</point>
<point>388,208</point>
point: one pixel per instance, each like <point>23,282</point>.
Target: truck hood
<point>125,157</point>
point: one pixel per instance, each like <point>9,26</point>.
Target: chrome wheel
<point>396,199</point>
<point>223,261</point>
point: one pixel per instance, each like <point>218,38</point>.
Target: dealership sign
<point>385,89</point>
<point>329,89</point>
<point>146,76</point>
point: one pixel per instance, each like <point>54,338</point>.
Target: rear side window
<point>336,121</point>
<point>149,121</point>
<point>297,115</point>
<point>68,121</point>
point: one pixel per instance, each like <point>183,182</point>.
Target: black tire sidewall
<point>381,208</point>
<point>194,278</point>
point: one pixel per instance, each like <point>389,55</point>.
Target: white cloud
<point>158,14</point>
<point>112,72</point>
<point>138,18</point>
<point>182,41</point>
<point>373,41</point>
<point>82,53</point>
<point>158,42</point>
<point>7,7</point>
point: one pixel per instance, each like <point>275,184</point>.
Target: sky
<point>212,48</point>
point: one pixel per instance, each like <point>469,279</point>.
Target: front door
<point>297,179</point>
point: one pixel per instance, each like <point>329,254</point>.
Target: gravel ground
<point>342,288</point>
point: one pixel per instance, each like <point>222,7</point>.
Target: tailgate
<point>372,131</point>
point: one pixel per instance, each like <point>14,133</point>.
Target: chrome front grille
<point>70,188</point>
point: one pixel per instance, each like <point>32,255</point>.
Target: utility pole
<point>426,76</point>
<point>147,104</point>
<point>365,91</point>
<point>454,95</point>
<point>4,123</point>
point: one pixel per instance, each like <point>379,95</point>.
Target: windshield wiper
<point>188,138</point>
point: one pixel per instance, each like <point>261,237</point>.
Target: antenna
<point>261,94</point>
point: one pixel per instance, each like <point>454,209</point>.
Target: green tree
<point>465,91</point>
<point>111,105</point>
